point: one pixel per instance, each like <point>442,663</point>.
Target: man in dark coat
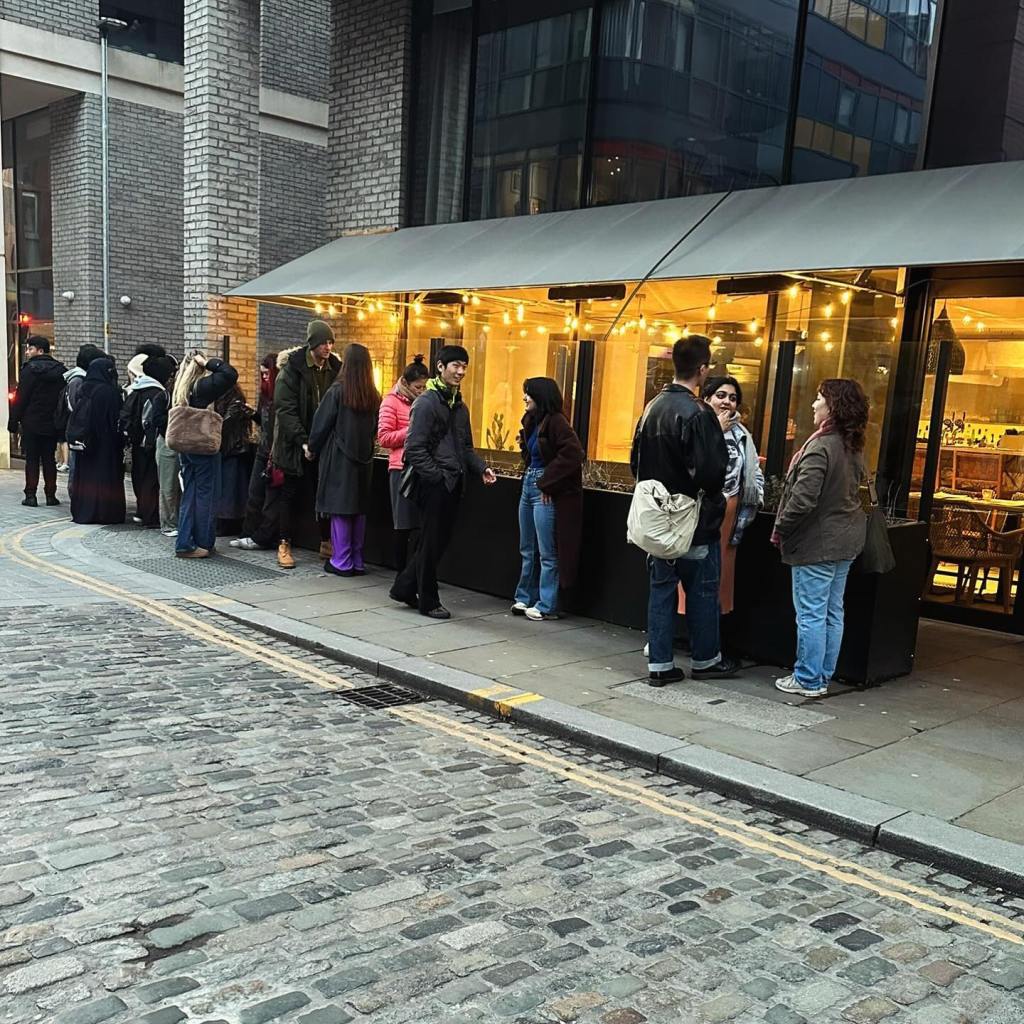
<point>679,442</point>
<point>439,447</point>
<point>307,373</point>
<point>33,411</point>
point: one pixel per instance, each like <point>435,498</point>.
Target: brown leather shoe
<point>284,555</point>
<point>326,549</point>
<point>194,553</point>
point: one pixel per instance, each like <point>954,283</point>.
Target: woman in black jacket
<point>342,436</point>
<point>200,382</point>
<point>550,507</point>
<point>98,494</point>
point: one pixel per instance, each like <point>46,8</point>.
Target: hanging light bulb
<point>759,341</point>
<point>505,318</point>
<point>520,312</point>
<point>475,300</point>
<point>318,308</point>
<point>753,326</point>
<point>465,298</point>
<point>487,328</point>
<point>825,336</point>
<point>360,315</point>
<point>967,318</point>
<point>794,291</point>
<point>588,326</point>
<point>712,312</point>
<point>443,325</point>
<point>462,320</point>
<point>894,322</point>
<point>828,309</point>
<point>568,321</point>
<point>332,310</point>
<point>829,346</point>
<point>844,297</point>
<point>393,317</point>
<point>575,323</point>
<point>980,325</point>
<point>643,322</point>
<point>522,333</point>
<point>417,308</point>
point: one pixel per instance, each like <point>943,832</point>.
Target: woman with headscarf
<point>94,434</point>
<point>142,389</point>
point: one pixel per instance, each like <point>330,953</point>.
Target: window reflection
<point>529,107</point>
<point>692,97</point>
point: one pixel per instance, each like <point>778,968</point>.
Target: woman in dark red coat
<point>551,506</point>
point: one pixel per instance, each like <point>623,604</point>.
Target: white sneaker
<point>169,533</point>
<point>519,608</point>
<point>788,684</point>
<point>136,519</point>
<point>647,650</point>
<point>245,543</point>
<point>536,615</point>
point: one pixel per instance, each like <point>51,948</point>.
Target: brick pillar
<point>221,177</point>
<point>77,211</point>
<point>367,129</point>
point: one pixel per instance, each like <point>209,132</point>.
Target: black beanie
<point>318,333</point>
<point>160,368</point>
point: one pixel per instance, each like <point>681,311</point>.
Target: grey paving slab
<point>980,673</point>
<point>681,724</point>
<point>872,729</point>
<point>797,752</point>
<point>924,777</point>
<point>317,606</point>
<point>437,637</point>
<point>990,734</point>
<point>1001,818</point>
<point>609,670</point>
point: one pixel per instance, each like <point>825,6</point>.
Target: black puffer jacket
<point>35,402</point>
<point>680,443</point>
<point>439,443</point>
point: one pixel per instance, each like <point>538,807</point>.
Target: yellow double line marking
<point>749,836</point>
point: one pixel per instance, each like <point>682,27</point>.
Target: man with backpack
<point>34,413</point>
<point>439,451</point>
<point>679,442</point>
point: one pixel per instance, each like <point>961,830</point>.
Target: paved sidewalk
<point>944,743</point>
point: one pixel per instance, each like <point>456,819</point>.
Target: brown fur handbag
<point>193,431</point>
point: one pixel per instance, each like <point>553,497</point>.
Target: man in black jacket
<point>306,374</point>
<point>439,447</point>
<point>33,410</point>
<point>680,443</point>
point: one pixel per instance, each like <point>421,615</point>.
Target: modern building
<point>825,187</point>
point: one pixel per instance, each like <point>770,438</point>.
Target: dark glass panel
<point>692,96</point>
<point>156,28</point>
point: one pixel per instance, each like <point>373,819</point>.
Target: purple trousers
<point>347,536</point>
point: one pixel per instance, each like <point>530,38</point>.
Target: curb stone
<point>872,822</point>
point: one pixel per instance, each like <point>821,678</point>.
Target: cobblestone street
<point>197,824</point>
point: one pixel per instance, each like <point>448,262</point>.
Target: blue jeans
<point>197,517</point>
<point>538,582</point>
<point>699,578</point>
<point>818,600</point>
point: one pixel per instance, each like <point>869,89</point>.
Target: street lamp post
<point>106,26</point>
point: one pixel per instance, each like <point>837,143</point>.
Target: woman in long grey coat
<point>342,437</point>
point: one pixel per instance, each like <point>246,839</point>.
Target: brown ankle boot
<point>284,555</point>
<point>326,551</point>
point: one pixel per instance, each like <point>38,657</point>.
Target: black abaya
<point>98,495</point>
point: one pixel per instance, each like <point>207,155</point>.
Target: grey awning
<point>925,218</point>
<point>607,243</point>
<point>957,215</point>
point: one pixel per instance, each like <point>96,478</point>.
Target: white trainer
<point>788,684</point>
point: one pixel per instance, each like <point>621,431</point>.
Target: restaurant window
<point>978,489</point>
<point>509,336</point>
<point>842,325</point>
<point>529,107</point>
<point>691,97</point>
<point>156,28</point>
<point>634,363</point>
<point>443,42</point>
<point>863,87</point>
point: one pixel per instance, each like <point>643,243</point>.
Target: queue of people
<point>320,419</point>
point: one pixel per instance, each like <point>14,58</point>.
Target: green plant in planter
<point>773,493</point>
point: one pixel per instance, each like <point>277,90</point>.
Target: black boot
<point>30,501</point>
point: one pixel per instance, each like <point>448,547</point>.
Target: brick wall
<point>293,185</point>
<point>68,17</point>
<point>77,219</point>
<point>294,45</point>
<point>145,227</point>
<point>221,176</point>
<point>371,44</point>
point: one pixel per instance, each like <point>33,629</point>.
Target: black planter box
<point>881,611</point>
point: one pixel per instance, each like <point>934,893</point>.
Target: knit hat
<point>318,333</point>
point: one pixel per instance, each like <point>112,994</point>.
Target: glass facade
<point>156,28</point>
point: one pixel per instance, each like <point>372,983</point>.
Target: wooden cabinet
<point>973,470</point>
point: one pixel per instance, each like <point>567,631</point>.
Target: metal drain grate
<point>384,695</point>
<point>204,573</point>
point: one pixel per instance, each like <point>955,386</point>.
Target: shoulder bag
<point>660,523</point>
<point>193,431</point>
<point>877,556</point>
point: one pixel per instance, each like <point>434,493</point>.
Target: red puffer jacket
<point>393,425</point>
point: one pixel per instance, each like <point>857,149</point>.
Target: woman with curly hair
<point>820,529</point>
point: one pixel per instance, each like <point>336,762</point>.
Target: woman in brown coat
<point>820,530</point>
<point>551,505</point>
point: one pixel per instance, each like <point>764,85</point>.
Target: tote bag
<point>193,431</point>
<point>877,556</point>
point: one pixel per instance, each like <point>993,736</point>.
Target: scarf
<point>404,392</point>
<point>825,428</point>
<point>448,395</point>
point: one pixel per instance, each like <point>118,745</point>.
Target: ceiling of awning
<point>951,216</point>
